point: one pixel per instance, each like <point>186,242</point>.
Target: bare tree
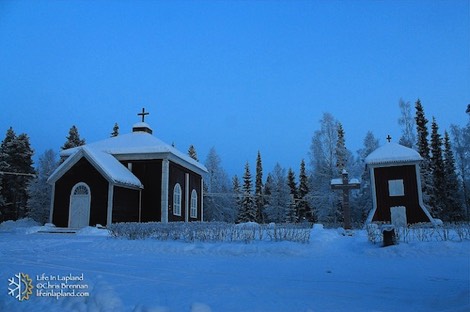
<point>39,190</point>
<point>323,162</point>
<point>408,125</point>
<point>219,201</point>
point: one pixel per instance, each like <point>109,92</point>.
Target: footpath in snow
<point>331,273</point>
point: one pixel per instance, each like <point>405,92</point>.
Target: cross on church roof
<point>143,114</point>
<point>389,138</point>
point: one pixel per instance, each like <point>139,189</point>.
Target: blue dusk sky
<point>240,76</point>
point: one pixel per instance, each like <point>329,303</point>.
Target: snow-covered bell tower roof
<point>391,153</point>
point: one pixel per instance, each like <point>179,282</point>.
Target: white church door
<point>79,210</point>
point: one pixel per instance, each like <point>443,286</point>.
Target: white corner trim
<point>164,191</point>
<point>51,210</point>
<point>186,197</point>
<point>374,195</point>
<point>202,199</point>
<point>109,219</point>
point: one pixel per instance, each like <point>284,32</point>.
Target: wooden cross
<point>143,114</point>
<point>389,138</point>
<point>345,185</point>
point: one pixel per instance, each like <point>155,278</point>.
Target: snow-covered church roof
<point>139,143</point>
<point>109,166</point>
<point>392,153</point>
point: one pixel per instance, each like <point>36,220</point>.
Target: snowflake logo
<point>22,286</point>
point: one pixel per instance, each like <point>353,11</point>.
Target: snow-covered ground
<point>331,273</point>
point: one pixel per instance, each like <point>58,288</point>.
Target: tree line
<point>278,196</point>
<point>281,197</point>
<point>24,191</point>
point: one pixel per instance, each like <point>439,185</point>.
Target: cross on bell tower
<point>143,114</point>
<point>389,138</point>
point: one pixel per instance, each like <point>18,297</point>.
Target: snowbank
<point>19,226</point>
<point>334,272</point>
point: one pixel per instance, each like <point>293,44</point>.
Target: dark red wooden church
<point>133,177</point>
<point>396,184</point>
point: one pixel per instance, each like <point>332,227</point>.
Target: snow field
<point>331,273</point>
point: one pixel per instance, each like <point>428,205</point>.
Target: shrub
<point>212,231</point>
<point>423,232</point>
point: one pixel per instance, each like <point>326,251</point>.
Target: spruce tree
<point>259,197</point>
<point>452,200</point>
<point>236,185</point>
<point>6,211</point>
<point>2,201</point>
<point>437,169</point>
<point>115,132</point>
<point>16,158</point>
<point>279,196</point>
<point>422,131</point>
<point>5,147</point>
<point>424,151</point>
<point>341,152</point>
<point>293,215</point>
<point>73,139</point>
<point>267,192</point>
<point>247,206</point>
<point>305,212</point>
<point>236,189</point>
<point>192,152</point>
<point>291,182</point>
<point>25,165</point>
<point>336,211</point>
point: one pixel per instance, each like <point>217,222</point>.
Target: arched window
<point>193,210</point>
<point>177,200</point>
<point>80,189</point>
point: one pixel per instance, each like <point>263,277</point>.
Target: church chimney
<point>142,126</point>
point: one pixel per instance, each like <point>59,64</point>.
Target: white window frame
<point>177,193</point>
<point>396,188</point>
<point>81,188</point>
<point>193,209</point>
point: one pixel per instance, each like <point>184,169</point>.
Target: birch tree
<point>219,202</point>
<point>323,163</point>
<point>407,124</point>
<point>39,190</point>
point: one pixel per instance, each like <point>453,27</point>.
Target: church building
<point>133,177</point>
